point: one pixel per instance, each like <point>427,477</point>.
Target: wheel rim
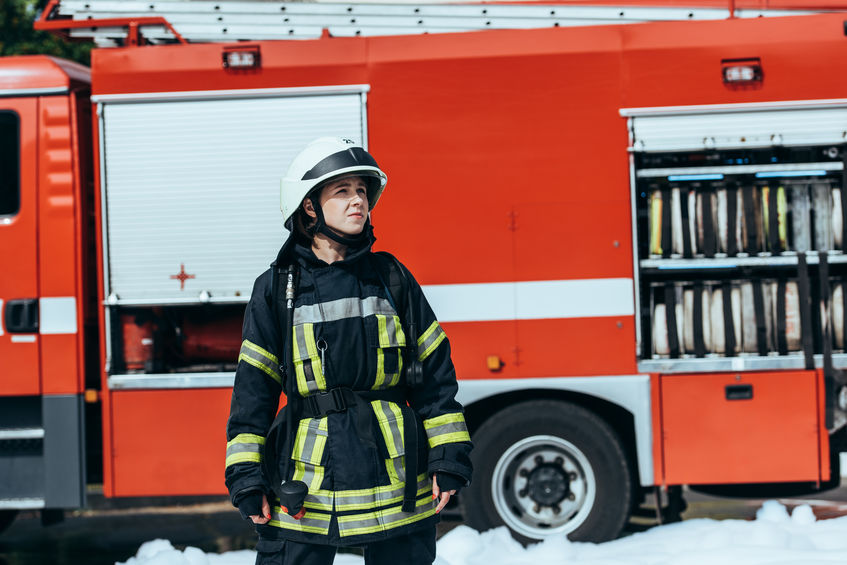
<point>542,486</point>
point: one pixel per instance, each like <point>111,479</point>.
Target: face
<point>345,205</point>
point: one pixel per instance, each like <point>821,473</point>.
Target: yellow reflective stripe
<point>309,330</point>
<point>263,360</point>
<point>449,418</point>
<point>395,378</point>
<point>320,442</point>
<point>244,448</point>
<point>376,499</point>
<point>447,428</point>
<point>391,425</point>
<point>246,438</point>
<point>430,340</point>
<point>311,522</point>
<point>382,520</point>
<point>312,475</point>
<point>244,457</point>
<point>252,346</point>
<point>309,444</point>
<point>312,501</point>
<point>379,380</point>
<point>390,331</point>
<point>399,334</point>
<point>395,467</point>
<point>384,340</point>
<point>455,437</point>
<point>310,440</point>
<point>366,499</point>
<point>307,362</point>
<point>382,418</point>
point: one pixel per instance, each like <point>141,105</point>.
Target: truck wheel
<point>549,467</point>
<point>6,519</point>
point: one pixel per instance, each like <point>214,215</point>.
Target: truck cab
<point>45,313</point>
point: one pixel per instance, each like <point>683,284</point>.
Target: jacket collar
<point>292,250</point>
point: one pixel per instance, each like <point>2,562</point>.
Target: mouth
<point>356,215</point>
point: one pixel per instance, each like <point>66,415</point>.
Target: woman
<point>372,444</point>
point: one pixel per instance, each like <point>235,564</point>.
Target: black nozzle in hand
<point>292,494</point>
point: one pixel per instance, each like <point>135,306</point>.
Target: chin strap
<point>321,227</point>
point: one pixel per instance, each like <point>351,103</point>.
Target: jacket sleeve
<point>435,399</point>
<point>255,395</point>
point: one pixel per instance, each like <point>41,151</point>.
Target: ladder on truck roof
<point>111,22</point>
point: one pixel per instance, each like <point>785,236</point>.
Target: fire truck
<point>628,216</point>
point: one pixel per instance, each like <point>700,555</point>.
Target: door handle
<point>21,316</point>
<point>739,392</point>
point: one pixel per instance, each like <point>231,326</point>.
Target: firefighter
<point>372,443</point>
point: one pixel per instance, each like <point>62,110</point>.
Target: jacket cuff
<point>449,481</point>
<point>452,458</point>
<point>250,504</point>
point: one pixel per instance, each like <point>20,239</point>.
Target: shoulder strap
<point>394,279</point>
<point>388,270</point>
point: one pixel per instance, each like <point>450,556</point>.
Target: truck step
<point>21,433</point>
<point>21,503</point>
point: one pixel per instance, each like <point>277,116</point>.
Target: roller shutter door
<point>192,187</point>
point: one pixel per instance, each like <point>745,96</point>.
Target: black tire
<point>6,519</point>
<point>546,455</point>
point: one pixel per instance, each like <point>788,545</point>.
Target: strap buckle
<point>326,402</point>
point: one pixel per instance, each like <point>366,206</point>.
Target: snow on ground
<point>773,538</point>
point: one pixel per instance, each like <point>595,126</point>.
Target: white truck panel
<point>195,183</point>
<point>739,129</point>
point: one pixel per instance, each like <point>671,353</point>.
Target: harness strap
<point>732,216</point>
<point>670,316</point>
<point>339,399</point>
<point>781,338</point>
<point>803,289</point>
<point>699,342</point>
<point>761,320</point>
<point>709,239</point>
<point>749,219</point>
<point>773,220</point>
<point>728,321</point>
<point>686,229</point>
<point>666,222</point>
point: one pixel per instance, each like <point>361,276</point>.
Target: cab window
<point>10,192</point>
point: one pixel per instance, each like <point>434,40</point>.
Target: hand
<point>266,512</point>
<point>436,493</point>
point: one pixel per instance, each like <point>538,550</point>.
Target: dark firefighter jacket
<point>342,313</point>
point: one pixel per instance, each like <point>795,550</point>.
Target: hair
<point>303,226</point>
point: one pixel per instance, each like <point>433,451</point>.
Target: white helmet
<point>323,159</point>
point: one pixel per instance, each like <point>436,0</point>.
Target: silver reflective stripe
<point>312,475</point>
<point>310,440</point>
<point>303,357</point>
<point>394,517</point>
<point>430,340</point>
<point>394,335</point>
<point>398,468</point>
<point>308,451</point>
<point>369,499</point>
<point>320,500</point>
<point>390,420</point>
<point>453,427</point>
<point>254,355</point>
<point>342,308</point>
<point>312,522</point>
<point>242,448</point>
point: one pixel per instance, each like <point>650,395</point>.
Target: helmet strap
<point>321,227</point>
